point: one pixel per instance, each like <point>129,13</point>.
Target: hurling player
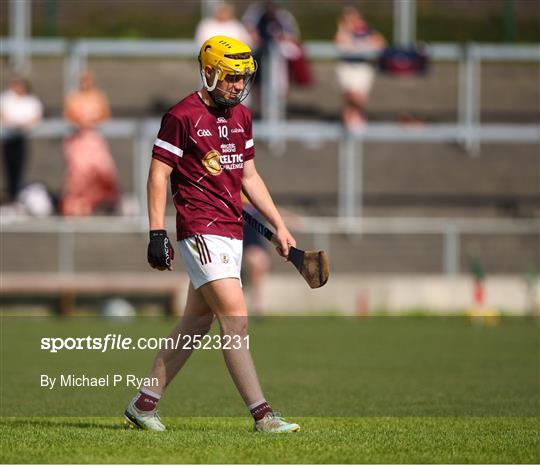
<point>205,148</point>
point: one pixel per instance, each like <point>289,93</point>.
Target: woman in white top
<point>19,112</point>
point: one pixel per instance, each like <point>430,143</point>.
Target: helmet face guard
<point>218,94</point>
<point>230,61</point>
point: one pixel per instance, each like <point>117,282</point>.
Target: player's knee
<point>199,325</point>
<point>236,325</point>
<point>204,326</point>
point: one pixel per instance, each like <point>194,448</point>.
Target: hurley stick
<point>314,266</point>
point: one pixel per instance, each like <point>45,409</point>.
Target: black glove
<point>160,250</point>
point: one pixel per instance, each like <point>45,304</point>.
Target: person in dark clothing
<point>20,110</point>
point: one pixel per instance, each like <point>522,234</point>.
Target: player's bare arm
<point>156,188</point>
<point>160,251</point>
<point>256,191</point>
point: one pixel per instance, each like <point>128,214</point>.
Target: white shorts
<point>356,77</point>
<point>211,257</point>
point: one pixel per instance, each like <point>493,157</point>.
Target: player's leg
<point>197,320</point>
<point>226,299</point>
<point>364,77</point>
<point>258,263</point>
<point>353,113</point>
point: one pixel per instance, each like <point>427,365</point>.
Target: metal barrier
<point>320,227</point>
<point>350,184</point>
<point>468,130</point>
<point>470,58</point>
<point>450,228</point>
<point>350,145</point>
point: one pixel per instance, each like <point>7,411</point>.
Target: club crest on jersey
<point>211,162</point>
<point>224,258</point>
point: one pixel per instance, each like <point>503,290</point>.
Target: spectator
<point>270,25</point>
<point>356,41</point>
<point>267,23</point>
<point>257,262</point>
<point>91,178</point>
<point>222,23</point>
<point>20,110</point>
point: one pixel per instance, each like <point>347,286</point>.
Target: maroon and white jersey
<point>207,148</point>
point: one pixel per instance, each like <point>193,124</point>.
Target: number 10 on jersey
<point>223,132</point>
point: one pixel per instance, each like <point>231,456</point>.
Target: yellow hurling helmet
<point>228,57</point>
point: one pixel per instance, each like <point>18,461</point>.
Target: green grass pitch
<point>228,440</point>
<point>376,390</point>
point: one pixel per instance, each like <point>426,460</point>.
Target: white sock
<point>257,403</point>
<point>149,392</point>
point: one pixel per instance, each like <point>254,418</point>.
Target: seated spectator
<point>356,40</point>
<point>272,26</point>
<point>91,178</point>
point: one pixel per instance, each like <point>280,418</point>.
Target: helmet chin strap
<point>207,86</point>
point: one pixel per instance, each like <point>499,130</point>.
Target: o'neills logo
<point>167,257</point>
<point>211,162</point>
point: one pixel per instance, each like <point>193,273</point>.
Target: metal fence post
<point>350,176</point>
<point>207,8</point>
<point>357,181</point>
<point>451,250</point>
<point>472,100</point>
<point>462,95</point>
<point>404,22</point>
<point>74,65</point>
<point>66,248</point>
<point>20,30</point>
<point>272,101</point>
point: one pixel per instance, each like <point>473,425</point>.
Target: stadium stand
<point>400,180</point>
